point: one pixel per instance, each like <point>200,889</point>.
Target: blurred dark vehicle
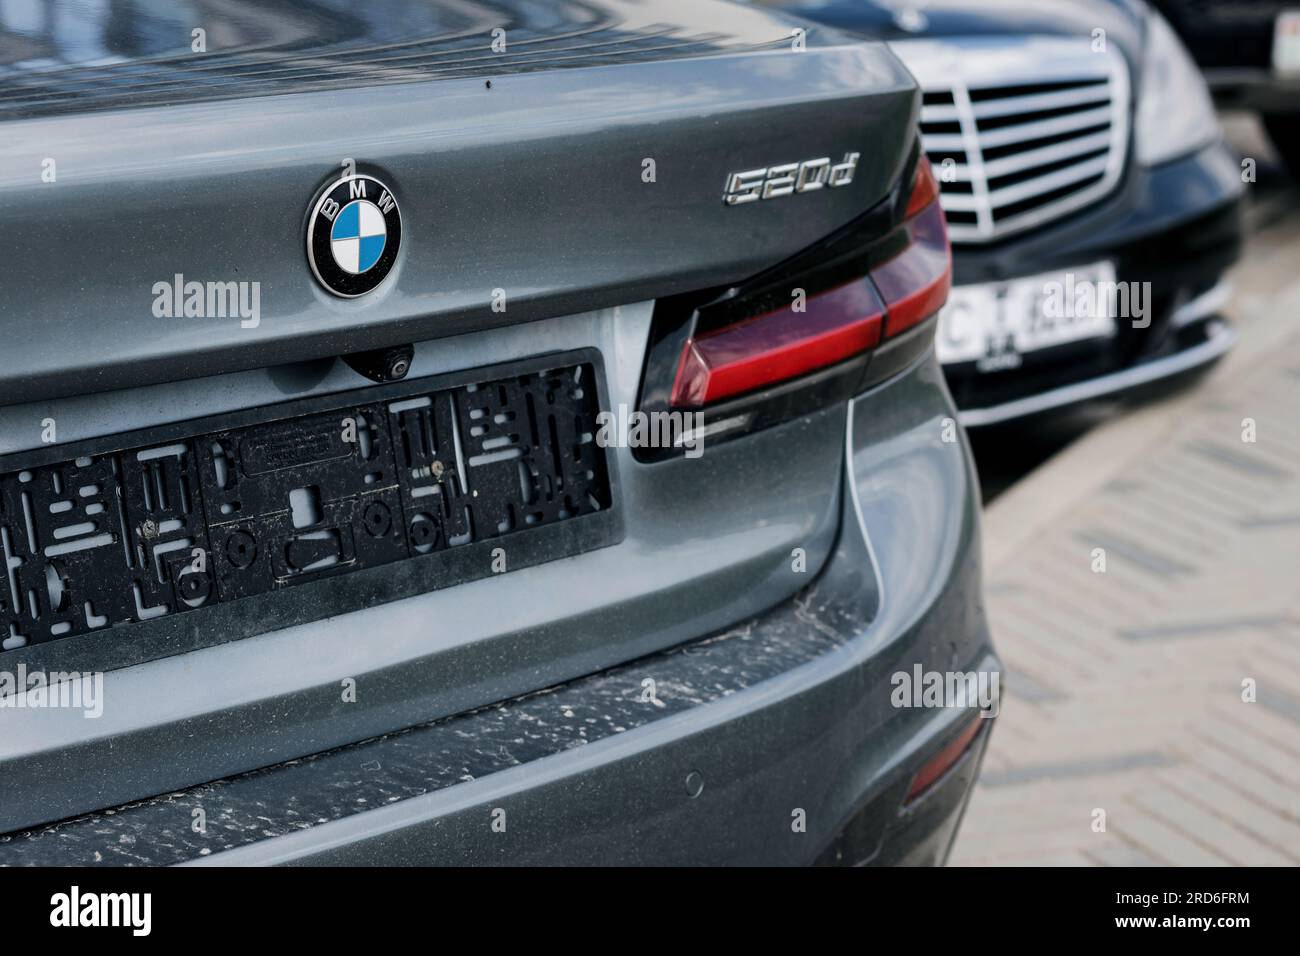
<point>1092,203</point>
<point>1249,51</point>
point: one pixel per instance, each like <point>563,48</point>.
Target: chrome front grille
<point>1021,131</point>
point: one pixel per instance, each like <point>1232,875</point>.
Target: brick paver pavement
<point>1125,688</point>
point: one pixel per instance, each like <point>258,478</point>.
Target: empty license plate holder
<point>149,543</point>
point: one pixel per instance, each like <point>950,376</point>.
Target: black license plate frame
<point>355,578</point>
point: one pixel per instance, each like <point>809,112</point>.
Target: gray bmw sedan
<point>474,433</point>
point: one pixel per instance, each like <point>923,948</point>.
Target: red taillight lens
<point>784,344</point>
<point>915,283</point>
<point>944,760</point>
<point>834,325</point>
<point>925,188</point>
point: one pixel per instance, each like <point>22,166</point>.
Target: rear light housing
<point>819,328</point>
<point>834,326</point>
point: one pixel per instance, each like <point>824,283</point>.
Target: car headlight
<point>1175,114</point>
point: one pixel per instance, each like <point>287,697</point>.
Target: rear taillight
<point>821,330</point>
<point>925,189</point>
<point>780,345</point>
<point>915,283</point>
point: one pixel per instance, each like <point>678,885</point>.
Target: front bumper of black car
<point>1253,88</point>
<point>1176,226</point>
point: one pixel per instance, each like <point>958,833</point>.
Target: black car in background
<point>1249,51</point>
<point>1092,203</point>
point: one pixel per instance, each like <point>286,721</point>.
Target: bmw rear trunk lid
<point>544,162</point>
<point>549,191</point>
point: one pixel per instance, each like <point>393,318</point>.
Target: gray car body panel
<point>686,566</point>
<point>593,772</point>
<point>533,185</point>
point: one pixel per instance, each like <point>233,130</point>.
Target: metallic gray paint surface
<point>120,55</point>
<point>533,186</point>
<point>268,803</point>
<point>690,563</point>
<point>822,737</point>
<point>607,784</point>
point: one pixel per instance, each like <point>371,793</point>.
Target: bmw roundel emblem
<point>353,235</point>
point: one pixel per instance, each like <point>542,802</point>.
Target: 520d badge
<point>788,179</point>
<point>353,235</point>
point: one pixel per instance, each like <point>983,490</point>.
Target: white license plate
<point>994,324</point>
<point>1286,42</point>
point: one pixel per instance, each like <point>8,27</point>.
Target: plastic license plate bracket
<point>140,545</point>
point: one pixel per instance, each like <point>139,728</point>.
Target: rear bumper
<point>784,718</point>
